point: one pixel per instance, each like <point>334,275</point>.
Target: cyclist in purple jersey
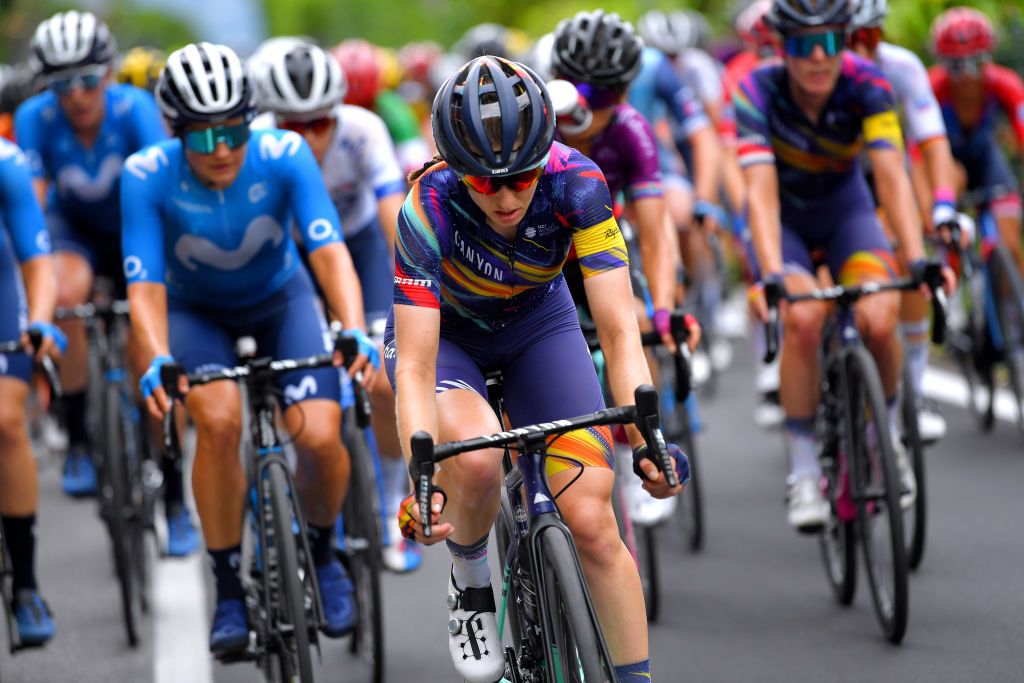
<point>622,144</point>
<point>803,124</point>
<point>481,242</point>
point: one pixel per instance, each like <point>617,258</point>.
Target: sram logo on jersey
<point>273,147</point>
<point>412,281</point>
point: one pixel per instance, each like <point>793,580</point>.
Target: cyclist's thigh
<point>552,377</point>
<point>200,342</point>
<point>375,269</point>
<point>292,326</point>
<point>13,319</point>
<point>75,260</point>
<point>858,250</point>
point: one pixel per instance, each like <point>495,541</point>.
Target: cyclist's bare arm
<point>148,302</point>
<point>764,208</point>
<point>658,249</point>
<point>897,199</point>
<point>707,162</point>
<point>417,330</point>
<point>388,207</point>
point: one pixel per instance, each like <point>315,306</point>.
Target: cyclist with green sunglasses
<point>209,258</point>
<point>803,124</point>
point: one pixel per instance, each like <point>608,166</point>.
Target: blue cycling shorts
<point>13,314</point>
<point>548,374</point>
<point>375,267</point>
<point>102,252</point>
<point>286,325</point>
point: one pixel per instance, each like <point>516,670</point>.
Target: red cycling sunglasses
<point>869,37</point>
<point>516,182</point>
<point>317,126</point>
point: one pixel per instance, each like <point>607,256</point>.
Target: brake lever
<point>649,424</point>
<point>421,467</point>
<point>933,278</point>
<point>170,376</point>
<point>681,334</point>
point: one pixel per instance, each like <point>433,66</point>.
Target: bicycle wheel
<point>838,539</point>
<point>116,501</point>
<point>1008,301</point>
<point>292,631</point>
<point>691,501</point>
<point>362,558</point>
<point>875,486</point>
<point>914,519</point>
<point>576,649</point>
<point>647,563</point>
<point>7,594</point>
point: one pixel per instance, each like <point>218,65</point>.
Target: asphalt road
<point>754,605</point>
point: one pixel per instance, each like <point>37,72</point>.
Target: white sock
<point>803,452</point>
<point>469,563</point>
<point>915,353</point>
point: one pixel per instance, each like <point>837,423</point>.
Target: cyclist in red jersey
<point>972,90</point>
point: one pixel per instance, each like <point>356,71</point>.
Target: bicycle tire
<point>650,578</point>
<point>1008,300</point>
<point>692,498</point>
<point>875,486</point>
<point>576,644</point>
<point>292,593</point>
<point>838,540</point>
<point>117,501</point>
<point>7,594</point>
<point>915,520</point>
<point>362,555</point>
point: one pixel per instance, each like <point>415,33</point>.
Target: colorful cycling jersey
<point>626,151</point>
<point>19,208</point>
<point>84,181</point>
<point>224,248</point>
<point>814,160</point>
<point>1002,90</point>
<point>657,89</point>
<point>921,115</point>
<point>404,127</point>
<point>359,166</point>
<point>448,257</point>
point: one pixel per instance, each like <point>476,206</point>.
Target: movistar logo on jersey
<point>293,393</point>
<point>145,162</point>
<point>77,181</point>
<point>195,250</point>
<point>273,147</point>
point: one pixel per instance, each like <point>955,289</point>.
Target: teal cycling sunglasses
<point>205,141</point>
<point>86,80</point>
<point>803,45</point>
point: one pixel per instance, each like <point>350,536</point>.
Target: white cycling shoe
<point>473,634</point>
<point>645,509</point>
<point>807,509</point>
<point>930,423</point>
<point>908,482</point>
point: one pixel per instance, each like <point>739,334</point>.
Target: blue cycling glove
<point>366,346</point>
<point>680,459</point>
<point>50,330</point>
<point>151,379</point>
<point>703,208</point>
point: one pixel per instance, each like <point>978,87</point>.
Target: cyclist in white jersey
<point>302,88</point>
<point>922,122</point>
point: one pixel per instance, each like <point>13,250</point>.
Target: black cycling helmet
<point>787,16</point>
<point>597,48</point>
<point>493,117</point>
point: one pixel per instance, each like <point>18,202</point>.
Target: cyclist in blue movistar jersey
<point>76,134</point>
<point>29,246</point>
<point>478,284</point>
<point>302,88</point>
<point>208,257</point>
<point>803,124</point>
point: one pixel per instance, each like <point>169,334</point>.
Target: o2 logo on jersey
<point>257,192</point>
<point>320,229</point>
<point>146,161</point>
<point>295,393</point>
<point>133,268</point>
<point>11,151</point>
<point>43,241</point>
<point>193,250</point>
<point>273,147</point>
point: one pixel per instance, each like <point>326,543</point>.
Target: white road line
<point>950,387</point>
<point>180,627</point>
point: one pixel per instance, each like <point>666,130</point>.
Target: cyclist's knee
<point>594,531</point>
<point>75,279</point>
<point>475,475</point>
<point>218,427</point>
<point>803,325</point>
<point>878,317</point>
<point>12,409</point>
<point>320,441</point>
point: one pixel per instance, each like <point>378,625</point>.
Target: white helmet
<point>299,80</point>
<point>203,83</point>
<point>868,13</point>
<point>72,40</point>
<point>539,57</point>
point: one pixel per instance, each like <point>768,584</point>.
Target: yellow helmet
<point>140,66</point>
<point>390,69</point>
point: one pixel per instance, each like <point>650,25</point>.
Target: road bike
<point>555,632</point>
<point>859,470</point>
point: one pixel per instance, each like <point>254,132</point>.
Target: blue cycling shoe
<point>230,630</point>
<point>35,624</point>
<point>338,596</point>
<point>79,478</point>
<point>182,539</point>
